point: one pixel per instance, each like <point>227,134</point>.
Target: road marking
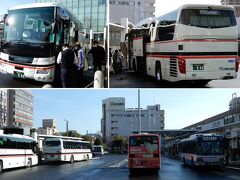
<point>121,163</point>
<point>232,167</point>
<point>106,165</point>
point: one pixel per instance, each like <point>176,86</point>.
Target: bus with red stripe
<point>68,149</point>
<point>17,151</point>
<point>202,150</point>
<point>193,43</point>
<point>144,152</point>
<point>33,35</point>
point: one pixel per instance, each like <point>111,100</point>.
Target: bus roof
<point>143,134</point>
<point>16,136</point>
<point>186,6</point>
<point>35,5</point>
<point>194,136</point>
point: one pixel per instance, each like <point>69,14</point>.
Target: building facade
<point>17,109</point>
<point>235,3</point>
<point>3,108</point>
<point>117,120</point>
<point>92,13</point>
<point>134,10</point>
<point>49,127</point>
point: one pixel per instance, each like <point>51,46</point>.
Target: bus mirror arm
<point>55,28</point>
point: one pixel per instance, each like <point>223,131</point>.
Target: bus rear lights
<point>43,71</point>
<point>182,65</point>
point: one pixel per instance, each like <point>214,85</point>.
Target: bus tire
<point>192,164</point>
<point>29,163</point>
<point>158,72</point>
<point>184,162</point>
<point>71,159</point>
<point>1,167</point>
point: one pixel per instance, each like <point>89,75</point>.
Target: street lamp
<point>66,124</point>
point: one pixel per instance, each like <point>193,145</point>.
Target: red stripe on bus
<point>137,38</point>
<point>197,40</point>
<point>193,57</point>
<point>24,66</point>
<point>66,153</point>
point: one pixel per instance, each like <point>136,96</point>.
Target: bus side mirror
<point>3,20</point>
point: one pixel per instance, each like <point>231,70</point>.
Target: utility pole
<point>66,124</point>
<point>234,101</point>
<point>139,112</point>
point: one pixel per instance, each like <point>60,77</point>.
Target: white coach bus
<point>33,35</point>
<point>66,149</point>
<point>194,42</point>
<point>17,151</point>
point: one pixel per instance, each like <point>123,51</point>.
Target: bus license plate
<point>198,67</point>
<point>19,74</point>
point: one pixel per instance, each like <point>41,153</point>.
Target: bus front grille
<point>173,67</point>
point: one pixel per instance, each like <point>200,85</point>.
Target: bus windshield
<point>52,143</point>
<point>141,141</point>
<point>30,25</point>
<point>207,18</point>
<point>210,148</point>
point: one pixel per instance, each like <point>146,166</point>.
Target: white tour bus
<point>97,150</point>
<point>195,43</point>
<point>32,38</point>
<point>202,150</point>
<point>66,149</point>
<point>17,151</point>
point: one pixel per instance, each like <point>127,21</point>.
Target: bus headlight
<point>43,71</point>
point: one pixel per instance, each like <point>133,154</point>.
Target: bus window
<point>52,143</point>
<point>207,18</point>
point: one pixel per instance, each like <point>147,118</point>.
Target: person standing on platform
<point>98,55</point>
<point>66,60</point>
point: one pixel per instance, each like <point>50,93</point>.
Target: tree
<point>87,138</point>
<point>98,141</point>
<point>71,133</point>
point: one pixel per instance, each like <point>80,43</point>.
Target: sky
<point>6,4</point>
<point>163,7</point>
<point>82,108</point>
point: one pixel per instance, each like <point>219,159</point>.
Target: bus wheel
<point>29,163</point>
<point>192,163</point>
<point>184,162</point>
<point>158,72</point>
<point>1,167</point>
<point>72,159</point>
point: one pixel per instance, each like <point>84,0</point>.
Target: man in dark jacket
<point>98,55</point>
<point>66,60</point>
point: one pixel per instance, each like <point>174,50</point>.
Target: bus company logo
<point>116,104</point>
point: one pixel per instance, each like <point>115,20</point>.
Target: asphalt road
<point>130,79</point>
<point>114,167</point>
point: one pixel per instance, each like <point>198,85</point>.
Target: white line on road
<point>106,165</point>
<point>121,163</point>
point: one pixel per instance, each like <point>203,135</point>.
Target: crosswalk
<point>116,164</point>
